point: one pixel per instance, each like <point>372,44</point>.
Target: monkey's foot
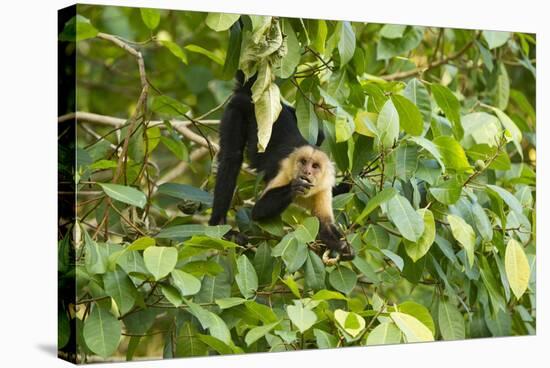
<point>327,260</point>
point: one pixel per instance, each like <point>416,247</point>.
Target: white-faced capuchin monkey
<point>294,170</point>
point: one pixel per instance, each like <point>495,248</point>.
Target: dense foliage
<point>435,129</point>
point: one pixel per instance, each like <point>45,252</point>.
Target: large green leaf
<point>343,279</point>
<point>257,333</point>
<point>410,118</point>
<point>246,277</point>
<point>380,198</point>
<point>387,47</point>
<point>452,153</point>
<point>184,191</point>
<point>168,106</point>
<point>419,312</point>
<point>211,321</point>
<point>125,194</point>
<point>517,268</point>
<point>351,323</point>
<point>409,223</point>
<point>418,249</point>
<point>346,43</point>
<point>267,110</point>
<point>160,261</point>
<point>412,328</point>
<point>314,271</point>
<point>78,28</point>
<point>509,125</point>
<point>450,106</point>
<point>121,288</point>
<point>221,21</point>
<point>302,317</point>
<point>451,322</point>
<point>464,234</point>
<point>324,339</point>
<point>102,331</point>
<point>187,231</point>
<point>496,38</point>
<point>384,333</point>
<point>387,124</point>
<point>308,123</point>
<point>151,17</point>
<point>418,94</point>
<point>187,284</point>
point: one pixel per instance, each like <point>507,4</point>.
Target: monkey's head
<point>313,166</point>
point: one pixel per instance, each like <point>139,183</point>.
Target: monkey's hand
<point>337,246</point>
<point>299,187</point>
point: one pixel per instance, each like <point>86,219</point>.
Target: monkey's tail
<point>243,85</point>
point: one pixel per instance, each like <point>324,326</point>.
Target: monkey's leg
<point>272,203</point>
<point>230,158</point>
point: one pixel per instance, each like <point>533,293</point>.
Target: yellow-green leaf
<point>517,268</point>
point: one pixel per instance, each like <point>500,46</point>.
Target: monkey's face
<point>313,166</point>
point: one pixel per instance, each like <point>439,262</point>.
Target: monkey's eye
<point>316,166</point>
<point>303,161</point>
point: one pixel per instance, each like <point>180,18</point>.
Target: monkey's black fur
<point>238,134</point>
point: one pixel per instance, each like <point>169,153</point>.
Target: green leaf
<point>409,223</point>
<point>307,231</point>
<point>431,148</point>
<point>101,331</point>
<point>387,48</point>
<point>172,295</point>
<point>201,268</point>
<point>418,249</point>
<point>392,31</point>
<point>226,303</point>
<point>343,279</point>
<point>216,344</point>
<point>450,106</point>
<point>507,197</point>
<point>448,192</point>
<point>324,340</point>
<point>96,255</point>
<point>517,268</point>
<point>387,124</point>
<point>142,243</point>
<point>125,194</point>
<point>187,284</point>
<point>412,328</point>
<point>419,312</point>
<point>221,21</point>
<point>261,312</point>
<point>509,125</point>
<point>380,198</point>
<point>410,118</point>
<point>366,269</point>
<point>346,43</point>
<point>452,153</point>
<point>302,317</point>
<point>488,278</point>
<point>176,50</point>
<point>451,322</point>
<point>418,94</point>
<point>328,295</point>
<point>308,123</point>
<point>187,231</point>
<point>464,234</point>
<point>209,54</point>
<point>267,110</point>
<point>211,321</point>
<point>168,106</point>
<point>246,277</point>
<point>176,146</point>
<point>384,333</point>
<point>151,17</point>
<point>187,192</point>
<point>501,94</point>
<point>78,28</point>
<point>481,128</point>
<point>121,288</point>
<point>231,63</point>
<point>482,222</point>
<point>287,65</point>
<point>496,38</point>
<point>402,162</point>
<point>351,323</point>
<point>257,333</point>
<point>314,272</point>
<point>160,261</point>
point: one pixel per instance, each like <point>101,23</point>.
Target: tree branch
<point>179,125</point>
<point>431,65</point>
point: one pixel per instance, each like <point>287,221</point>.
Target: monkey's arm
<point>328,232</point>
<point>277,198</point>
